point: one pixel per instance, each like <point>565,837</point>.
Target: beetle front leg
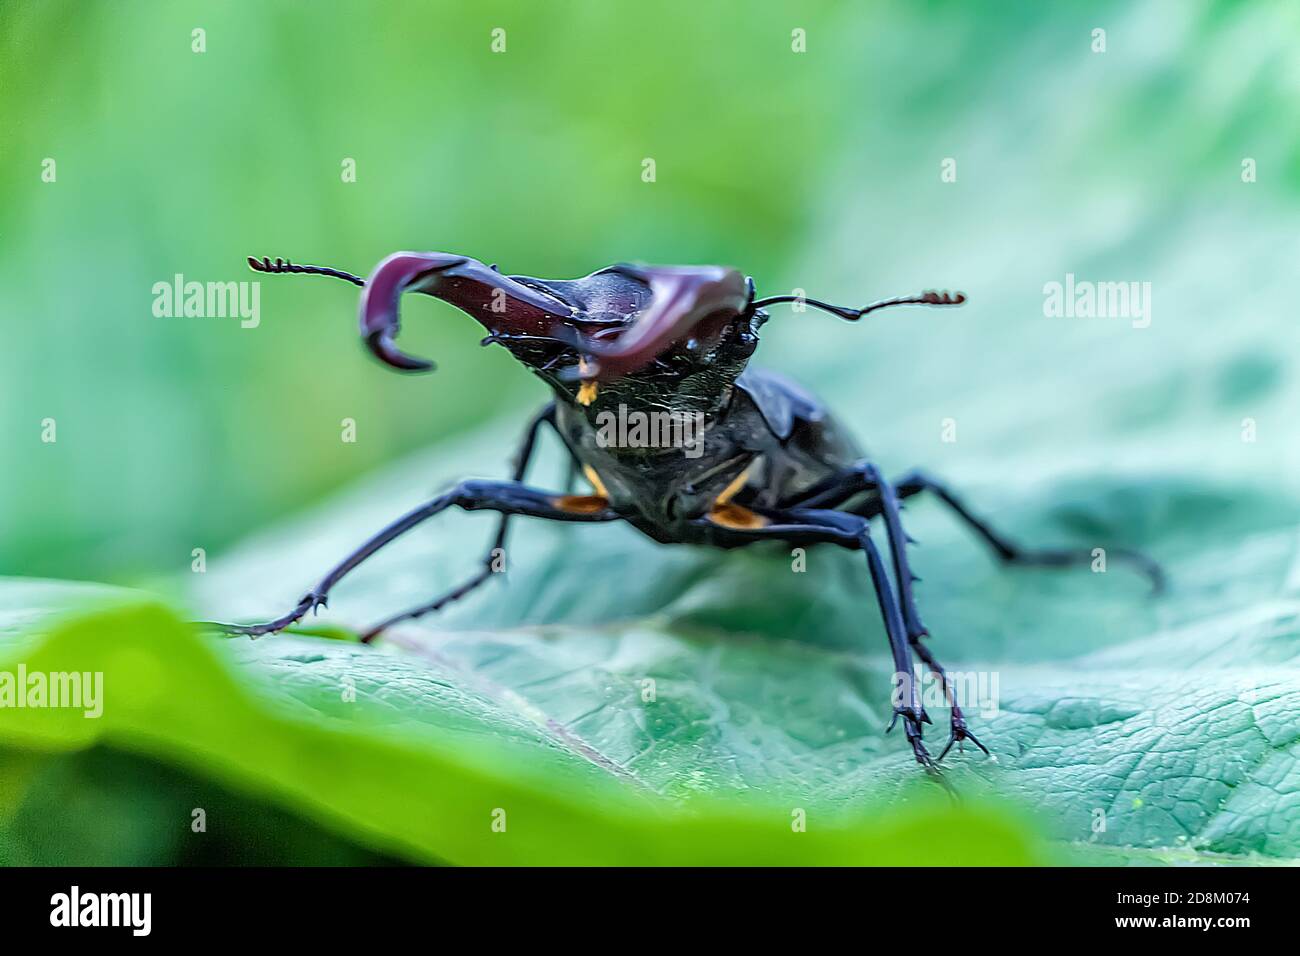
<point>505,497</point>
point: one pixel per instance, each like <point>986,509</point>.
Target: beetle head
<point>622,324</point>
<point>658,334</point>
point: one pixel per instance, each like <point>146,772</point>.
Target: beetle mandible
<point>773,463</point>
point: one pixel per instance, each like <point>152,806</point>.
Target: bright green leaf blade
<point>418,765</point>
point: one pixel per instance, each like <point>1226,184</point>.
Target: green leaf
<point>420,764</point>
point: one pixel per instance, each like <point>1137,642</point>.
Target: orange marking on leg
<point>595,481</point>
<point>734,516</point>
<point>581,504</point>
<point>730,491</point>
<point>587,391</point>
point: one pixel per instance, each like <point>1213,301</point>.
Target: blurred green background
<point>180,432</point>
<point>818,169</point>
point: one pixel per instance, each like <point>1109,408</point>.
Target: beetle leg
<point>813,526</point>
<point>544,417</point>
<point>866,477</point>
<point>1011,553</point>
<point>898,541</point>
<point>505,497</point>
<point>841,489</point>
<point>886,503</point>
<point>957,729</point>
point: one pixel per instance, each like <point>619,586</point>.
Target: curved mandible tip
<point>398,273</point>
<point>502,303</point>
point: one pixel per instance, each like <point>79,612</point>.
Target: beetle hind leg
<point>1009,552</point>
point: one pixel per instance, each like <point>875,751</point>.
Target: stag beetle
<point>775,465</point>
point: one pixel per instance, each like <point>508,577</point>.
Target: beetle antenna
<point>852,315</point>
<point>284,265</point>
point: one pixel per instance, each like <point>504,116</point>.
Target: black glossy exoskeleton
<point>767,462</point>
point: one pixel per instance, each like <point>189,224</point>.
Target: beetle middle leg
<point>841,491</point>
<point>846,489</point>
<point>505,497</point>
<point>813,526</point>
<point>522,458</point>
